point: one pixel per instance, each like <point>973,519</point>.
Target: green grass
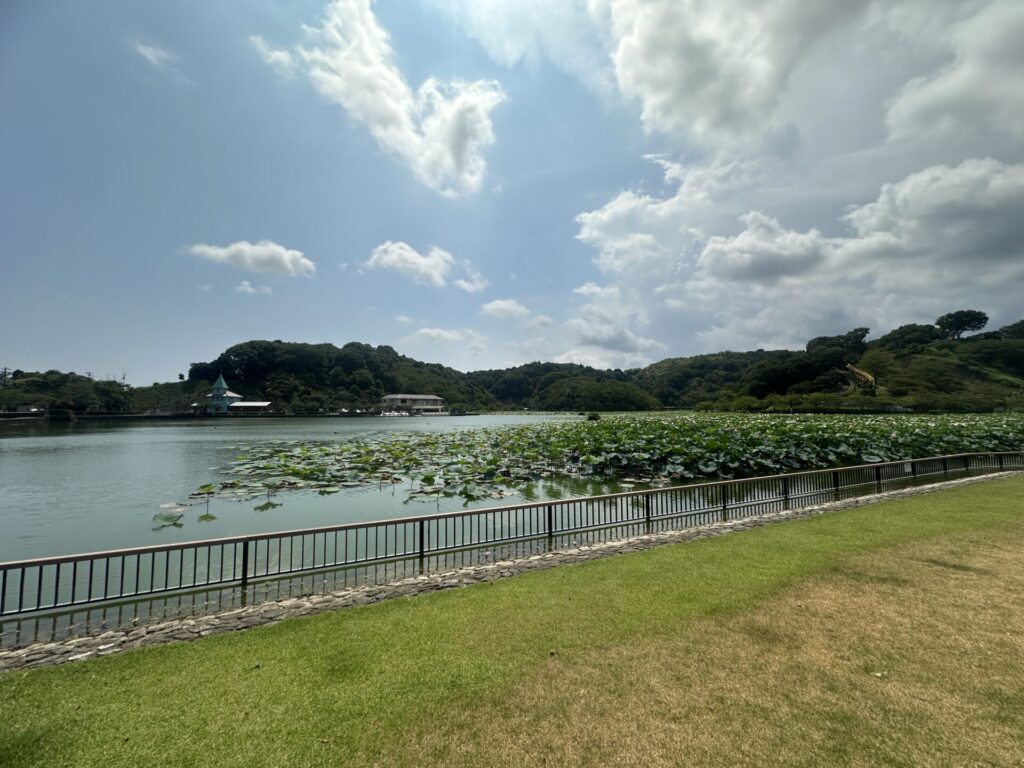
<point>500,673</point>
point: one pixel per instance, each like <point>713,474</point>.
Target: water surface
<point>91,485</point>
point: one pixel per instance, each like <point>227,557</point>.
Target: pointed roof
<point>220,383</point>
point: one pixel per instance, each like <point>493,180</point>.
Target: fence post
<point>913,469</point>
<point>1000,457</point>
<point>835,483</point>
<point>245,571</point>
<point>423,545</point>
<point>878,479</point>
<point>785,492</point>
<point>945,466</point>
<point>725,503</point>
<point>551,527</point>
<point>647,513</point>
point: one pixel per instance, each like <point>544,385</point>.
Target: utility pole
<point>3,377</point>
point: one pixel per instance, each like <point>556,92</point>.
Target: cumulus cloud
<point>941,238</point>
<point>440,130</point>
<point>938,238</point>
<point>505,308</point>
<point>248,288</point>
<point>597,327</point>
<point>430,268</point>
<point>714,69</point>
<point>593,289</point>
<point>763,251</point>
<point>526,31</point>
<point>473,282</point>
<point>967,215</point>
<point>980,90</point>
<point>265,256</point>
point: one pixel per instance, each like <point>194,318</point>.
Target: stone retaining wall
<point>184,629</point>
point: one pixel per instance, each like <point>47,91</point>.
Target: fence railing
<point>55,584</point>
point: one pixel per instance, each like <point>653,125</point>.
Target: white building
<point>223,400</point>
<point>416,404</point>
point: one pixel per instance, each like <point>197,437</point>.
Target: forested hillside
<point>919,367</point>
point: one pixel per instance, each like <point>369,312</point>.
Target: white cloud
<point>248,288</point>
<point>939,239</point>
<point>404,319</point>
<point>161,59</point>
<point>980,91</point>
<point>763,251</point>
<point>440,130</point>
<point>474,342</point>
<point>279,59</point>
<point>526,31</point>
<point>593,289</point>
<point>714,69</point>
<point>540,321</point>
<point>430,268</point>
<point>154,54</point>
<point>602,359</point>
<point>597,327</point>
<point>473,282</point>
<point>265,256</point>
<point>440,334</point>
<point>505,308</point>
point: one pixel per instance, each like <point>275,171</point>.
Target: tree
<point>1011,331</point>
<point>955,324</point>
<point>852,341</point>
<point>909,338</point>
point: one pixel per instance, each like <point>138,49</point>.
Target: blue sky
<point>487,183</point>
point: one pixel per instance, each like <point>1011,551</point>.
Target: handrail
<point>466,512</point>
<point>56,587</point>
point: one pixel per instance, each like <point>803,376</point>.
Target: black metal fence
<point>391,548</point>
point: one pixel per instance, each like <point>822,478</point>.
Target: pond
<point>91,485</point>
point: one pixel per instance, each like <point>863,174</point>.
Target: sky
<point>485,183</point>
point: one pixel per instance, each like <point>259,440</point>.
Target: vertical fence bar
<point>878,479</point>
<point>647,513</point>
<point>423,545</point>
<point>551,527</point>
<point>245,564</point>
<point>1000,458</point>
<point>725,503</point>
<point>785,492</point>
<point>913,469</point>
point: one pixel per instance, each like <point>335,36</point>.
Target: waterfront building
<point>423,405</point>
<point>223,400</point>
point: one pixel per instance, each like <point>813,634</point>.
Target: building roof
<point>227,393</point>
<point>411,397</point>
<point>220,383</point>
<point>250,404</point>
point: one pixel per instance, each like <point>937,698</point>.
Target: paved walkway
<point>185,629</point>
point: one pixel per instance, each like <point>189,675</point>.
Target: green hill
<point>916,367</point>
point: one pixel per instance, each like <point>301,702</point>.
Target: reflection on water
<point>91,485</point>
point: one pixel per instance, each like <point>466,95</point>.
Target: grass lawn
<point>888,635</point>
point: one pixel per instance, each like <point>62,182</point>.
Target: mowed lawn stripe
<point>501,669</point>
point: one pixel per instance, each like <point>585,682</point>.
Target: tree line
<point>916,366</point>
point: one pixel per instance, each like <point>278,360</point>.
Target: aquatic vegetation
<point>497,462</point>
